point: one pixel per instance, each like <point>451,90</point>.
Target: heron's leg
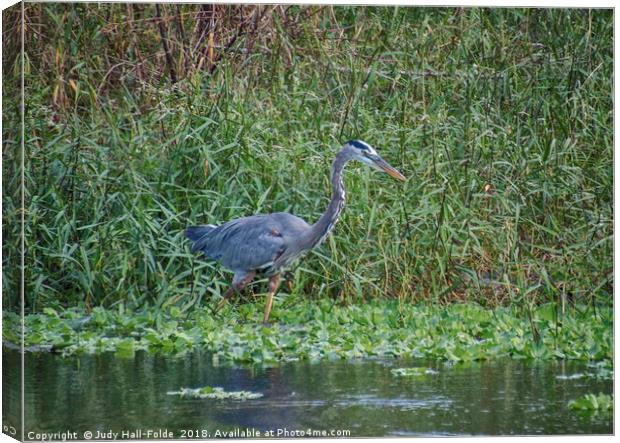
<point>274,281</point>
<point>229,292</point>
<point>237,285</point>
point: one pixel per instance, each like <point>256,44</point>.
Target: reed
<point>141,121</point>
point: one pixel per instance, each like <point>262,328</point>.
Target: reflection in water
<point>106,393</point>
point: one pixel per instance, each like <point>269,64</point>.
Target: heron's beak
<point>384,166</point>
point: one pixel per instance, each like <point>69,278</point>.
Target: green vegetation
<point>502,119</point>
<point>593,404</point>
<point>216,393</point>
<point>311,331</point>
<point>413,372</point>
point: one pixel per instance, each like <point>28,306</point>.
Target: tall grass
<point>502,119</point>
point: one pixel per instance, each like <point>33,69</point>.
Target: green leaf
<point>125,348</point>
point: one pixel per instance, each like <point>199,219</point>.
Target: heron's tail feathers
<point>199,235</point>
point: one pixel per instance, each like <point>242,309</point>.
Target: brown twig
<point>164,41</point>
<point>185,43</point>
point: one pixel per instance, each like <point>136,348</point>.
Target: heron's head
<point>366,154</point>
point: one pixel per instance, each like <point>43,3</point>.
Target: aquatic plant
<point>601,403</point>
<point>311,330</point>
<point>215,393</point>
<point>413,372</point>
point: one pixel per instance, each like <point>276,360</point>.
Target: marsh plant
<point>144,119</point>
<point>313,330</point>
<point>215,393</point>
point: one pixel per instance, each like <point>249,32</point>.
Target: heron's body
<point>268,243</point>
<point>265,243</point>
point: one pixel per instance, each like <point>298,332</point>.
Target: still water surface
<point>103,393</point>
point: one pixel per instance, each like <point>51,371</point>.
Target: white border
<point>437,3</point>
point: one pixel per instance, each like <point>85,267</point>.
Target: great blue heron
<point>267,243</point>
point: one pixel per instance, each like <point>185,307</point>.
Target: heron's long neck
<point>326,223</point>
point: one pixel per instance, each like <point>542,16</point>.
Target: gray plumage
<point>267,243</point>
<point>264,243</point>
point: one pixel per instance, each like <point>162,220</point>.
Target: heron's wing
<point>246,243</point>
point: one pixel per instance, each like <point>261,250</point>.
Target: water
<point>103,393</point>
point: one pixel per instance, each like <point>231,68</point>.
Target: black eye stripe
<point>359,145</point>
